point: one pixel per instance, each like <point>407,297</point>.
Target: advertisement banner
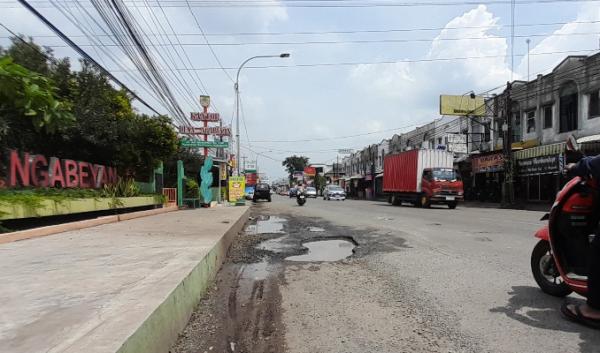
<point>489,163</point>
<point>201,116</point>
<point>217,130</point>
<point>188,143</point>
<point>457,143</point>
<point>462,105</point>
<point>298,176</point>
<point>251,179</point>
<point>250,167</point>
<point>310,171</point>
<point>540,165</point>
<point>237,185</point>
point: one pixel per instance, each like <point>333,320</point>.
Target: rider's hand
<point>570,169</point>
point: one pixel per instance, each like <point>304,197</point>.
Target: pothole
<point>316,229</point>
<point>266,225</point>
<point>325,250</point>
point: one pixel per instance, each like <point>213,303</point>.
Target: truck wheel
<point>452,205</point>
<point>396,201</point>
<point>423,202</point>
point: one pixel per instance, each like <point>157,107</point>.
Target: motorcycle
<point>559,260</point>
<point>300,198</point>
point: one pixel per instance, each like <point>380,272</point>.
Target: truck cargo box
<point>402,172</point>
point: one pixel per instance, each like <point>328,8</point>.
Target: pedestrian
<point>589,313</point>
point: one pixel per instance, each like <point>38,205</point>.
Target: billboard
<point>456,143</point>
<point>310,171</point>
<point>462,105</point>
<point>236,188</point>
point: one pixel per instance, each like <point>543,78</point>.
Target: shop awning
<point>540,151</point>
<point>357,176</point>
<point>587,139</point>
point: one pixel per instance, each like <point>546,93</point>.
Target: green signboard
<point>207,144</point>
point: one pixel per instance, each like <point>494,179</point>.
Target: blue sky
<point>299,103</point>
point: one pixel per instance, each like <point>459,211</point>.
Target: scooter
<point>559,260</point>
<point>300,198</point>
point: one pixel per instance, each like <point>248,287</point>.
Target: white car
<point>310,192</point>
<point>334,192</point>
<point>249,194</point>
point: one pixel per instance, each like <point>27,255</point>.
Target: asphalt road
<point>420,280</point>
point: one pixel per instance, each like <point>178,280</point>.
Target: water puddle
<point>266,225</point>
<point>274,245</point>
<point>316,229</point>
<point>325,250</point>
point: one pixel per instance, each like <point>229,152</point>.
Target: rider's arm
<point>588,166</point>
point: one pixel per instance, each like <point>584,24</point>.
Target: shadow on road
<point>530,306</point>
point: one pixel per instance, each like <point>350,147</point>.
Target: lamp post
<point>237,100</point>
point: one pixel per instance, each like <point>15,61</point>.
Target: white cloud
<point>564,39</point>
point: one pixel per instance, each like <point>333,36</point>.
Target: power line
<point>325,3</point>
<point>348,31</point>
<point>388,62</point>
<point>369,41</point>
<point>207,42</point>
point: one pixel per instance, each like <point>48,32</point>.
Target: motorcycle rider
<point>587,314</point>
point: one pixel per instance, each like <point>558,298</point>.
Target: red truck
<point>422,177</point>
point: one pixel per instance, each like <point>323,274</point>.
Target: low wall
<point>56,208</point>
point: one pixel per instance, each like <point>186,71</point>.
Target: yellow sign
<point>237,185</point>
<point>462,105</point>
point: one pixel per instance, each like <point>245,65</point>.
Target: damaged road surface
<point>358,277</point>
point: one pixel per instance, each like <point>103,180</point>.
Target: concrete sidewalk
<point>122,287</point>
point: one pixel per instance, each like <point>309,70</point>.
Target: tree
<point>294,163</point>
<point>29,107</point>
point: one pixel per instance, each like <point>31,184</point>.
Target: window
<point>568,108</point>
<point>548,117</point>
<point>530,121</point>
<point>517,130</point>
<point>594,106</point>
<point>486,132</point>
<point>439,140</point>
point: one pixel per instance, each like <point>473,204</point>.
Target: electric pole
<point>507,190</point>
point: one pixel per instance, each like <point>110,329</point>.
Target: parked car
<point>262,191</point>
<point>293,192</point>
<point>311,192</point>
<point>334,192</point>
<point>249,192</point>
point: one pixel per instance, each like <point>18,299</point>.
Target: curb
<point>65,227</point>
<point>162,327</point>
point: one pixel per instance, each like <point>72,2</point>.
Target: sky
<point>385,79</point>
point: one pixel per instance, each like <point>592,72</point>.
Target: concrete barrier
<point>162,328</point>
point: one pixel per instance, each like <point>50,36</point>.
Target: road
<point>420,280</point>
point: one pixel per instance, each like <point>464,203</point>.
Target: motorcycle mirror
<point>572,144</point>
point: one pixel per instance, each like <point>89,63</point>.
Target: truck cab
<point>441,186</point>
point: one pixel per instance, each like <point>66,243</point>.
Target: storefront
<point>539,177</point>
<point>539,172</point>
<point>488,175</point>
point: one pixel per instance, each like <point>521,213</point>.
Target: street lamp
<point>237,100</point>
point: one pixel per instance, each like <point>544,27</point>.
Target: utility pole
<point>507,190</point>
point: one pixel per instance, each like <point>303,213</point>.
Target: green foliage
<point>191,189</point>
<point>123,188</point>
<point>294,163</point>
<point>48,109</point>
<point>30,96</point>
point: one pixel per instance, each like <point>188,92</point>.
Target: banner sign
<point>457,143</point>
<point>539,165</point>
<point>236,188</point>
<point>299,176</point>
<point>462,105</point>
<point>210,117</point>
<point>250,167</point>
<point>310,171</point>
<point>39,171</point>
<point>489,163</point>
<point>199,143</point>
<point>217,130</point>
<point>251,179</point>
